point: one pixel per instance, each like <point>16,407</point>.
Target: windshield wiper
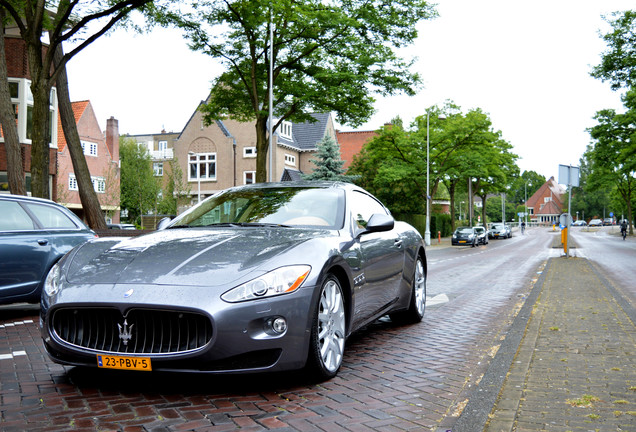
<point>260,224</point>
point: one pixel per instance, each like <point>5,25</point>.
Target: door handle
<point>43,242</point>
<point>398,244</point>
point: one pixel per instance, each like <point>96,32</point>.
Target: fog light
<point>279,325</point>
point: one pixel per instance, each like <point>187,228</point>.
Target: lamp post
<point>191,153</point>
<point>427,233</point>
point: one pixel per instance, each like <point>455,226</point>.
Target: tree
<point>15,170</point>
<point>173,190</point>
<point>524,186</point>
<point>326,57</point>
<point>618,64</point>
<point>139,186</point>
<point>65,24</point>
<point>612,156</point>
<point>328,162</point>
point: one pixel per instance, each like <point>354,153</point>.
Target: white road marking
<point>438,299</point>
<point>13,324</point>
<point>12,355</point>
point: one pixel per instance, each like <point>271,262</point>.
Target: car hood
<point>195,257</point>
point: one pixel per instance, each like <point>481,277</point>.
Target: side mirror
<point>163,223</point>
<point>379,222</point>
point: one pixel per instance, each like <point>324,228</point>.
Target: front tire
<point>417,305</point>
<point>326,345</point>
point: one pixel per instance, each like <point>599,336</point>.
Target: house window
<point>202,166</point>
<point>157,168</point>
<point>285,130</point>
<point>290,160</point>
<point>72,182</point>
<point>163,145</point>
<point>90,148</point>
<point>249,152</point>
<point>547,199</point>
<point>249,177</point>
<point>99,184</point>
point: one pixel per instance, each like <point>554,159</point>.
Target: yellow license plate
<point>125,363</point>
<point>462,241</point>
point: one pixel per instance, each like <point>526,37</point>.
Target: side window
<point>50,217</point>
<point>14,218</point>
<point>363,207</point>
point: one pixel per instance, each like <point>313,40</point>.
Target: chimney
<point>112,137</point>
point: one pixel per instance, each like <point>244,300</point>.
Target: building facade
<point>101,151</point>
<point>19,81</point>
<point>546,204</point>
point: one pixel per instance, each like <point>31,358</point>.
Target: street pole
<point>427,233</point>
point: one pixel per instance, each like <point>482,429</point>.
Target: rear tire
<point>326,344</point>
<point>417,305</point>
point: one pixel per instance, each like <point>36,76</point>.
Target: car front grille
<point>141,331</point>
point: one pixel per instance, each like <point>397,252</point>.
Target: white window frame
<point>72,183</point>
<point>285,129</point>
<point>249,152</point>
<point>163,145</point>
<point>249,173</point>
<point>199,160</point>
<point>157,169</point>
<point>23,106</point>
<point>89,148</point>
<point>290,159</point>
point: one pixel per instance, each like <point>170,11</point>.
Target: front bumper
<point>242,339</point>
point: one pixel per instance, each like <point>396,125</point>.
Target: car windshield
<point>285,206</point>
<point>465,230</point>
<point>496,226</point>
<point>479,229</point>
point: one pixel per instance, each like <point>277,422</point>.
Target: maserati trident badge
<point>125,332</point>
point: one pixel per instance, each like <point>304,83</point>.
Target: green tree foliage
<point>524,186</point>
<point>327,57</point>
<point>590,199</point>
<point>174,189</point>
<point>612,157</point>
<point>68,23</point>
<point>618,63</point>
<point>139,186</point>
<point>461,146</point>
<point>328,162</point>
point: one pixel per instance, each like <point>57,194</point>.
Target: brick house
<point>351,144</point>
<point>22,101</point>
<point>546,204</point>
<point>101,152</point>
<point>223,154</point>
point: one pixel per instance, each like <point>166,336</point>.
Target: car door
<point>382,259</point>
<point>23,252</point>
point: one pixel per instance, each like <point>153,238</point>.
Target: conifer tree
<point>328,162</point>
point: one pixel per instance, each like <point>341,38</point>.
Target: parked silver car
<point>482,235</point>
<point>499,230</point>
<point>264,277</point>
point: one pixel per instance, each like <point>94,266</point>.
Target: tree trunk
<point>451,192</point>
<point>88,196</point>
<point>40,124</point>
<point>15,168</point>
<point>262,145</point>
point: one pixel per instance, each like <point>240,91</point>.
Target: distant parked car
<point>595,223</point>
<point>579,223</point>
<point>464,236</point>
<point>499,230</point>
<point>608,221</point>
<point>482,235</point>
<point>34,234</point>
<point>121,226</point>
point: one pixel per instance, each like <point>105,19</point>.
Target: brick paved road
<point>393,378</point>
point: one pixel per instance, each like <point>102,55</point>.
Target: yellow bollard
<point>564,239</point>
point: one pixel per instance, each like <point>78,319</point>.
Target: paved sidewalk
<point>575,366</point>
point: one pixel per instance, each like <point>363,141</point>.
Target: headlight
<point>52,282</point>
<point>280,281</point>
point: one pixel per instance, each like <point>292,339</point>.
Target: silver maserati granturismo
<point>264,277</point>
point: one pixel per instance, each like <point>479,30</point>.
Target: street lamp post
<point>427,233</point>
<point>191,153</point>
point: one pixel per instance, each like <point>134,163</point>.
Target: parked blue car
<point>34,234</point>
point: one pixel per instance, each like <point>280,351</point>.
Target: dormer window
<point>285,130</point>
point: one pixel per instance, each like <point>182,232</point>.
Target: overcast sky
<point>526,64</point>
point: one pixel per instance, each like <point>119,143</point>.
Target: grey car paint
<point>188,269</point>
